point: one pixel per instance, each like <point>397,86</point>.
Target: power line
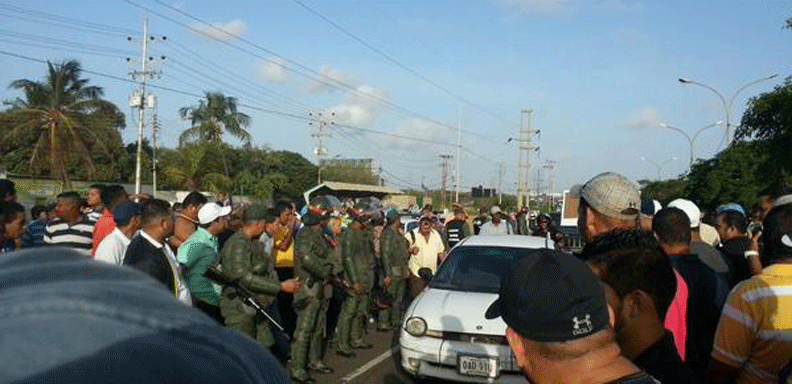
<point>50,16</point>
<point>327,80</point>
<point>55,41</point>
<point>396,62</point>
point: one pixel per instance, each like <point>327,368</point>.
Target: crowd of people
<point>656,294</point>
<point>649,299</point>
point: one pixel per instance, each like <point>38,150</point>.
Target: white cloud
<point>360,108</point>
<point>222,31</point>
<point>616,5</point>
<point>535,6</point>
<point>646,117</point>
<point>330,79</point>
<point>273,70</point>
<point>417,129</point>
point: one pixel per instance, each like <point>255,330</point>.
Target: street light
<point>690,140</point>
<point>726,105</point>
<point>659,166</point>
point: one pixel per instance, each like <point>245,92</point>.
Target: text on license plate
<point>478,366</point>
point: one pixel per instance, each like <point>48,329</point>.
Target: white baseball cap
<point>211,211</point>
<point>691,210</point>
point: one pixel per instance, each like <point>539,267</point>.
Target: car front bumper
<point>436,358</point>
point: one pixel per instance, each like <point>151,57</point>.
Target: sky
<point>400,78</point>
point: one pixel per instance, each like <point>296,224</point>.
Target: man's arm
<point>387,249</point>
<point>348,258</point>
<point>304,248</point>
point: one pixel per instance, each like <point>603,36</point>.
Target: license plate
<point>478,366</point>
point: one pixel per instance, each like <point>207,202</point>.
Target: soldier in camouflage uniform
<point>313,265</point>
<point>357,255</point>
<point>395,251</point>
<point>243,258</point>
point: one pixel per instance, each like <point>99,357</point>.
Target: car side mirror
<point>425,274</point>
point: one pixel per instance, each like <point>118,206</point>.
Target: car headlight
<point>415,326</point>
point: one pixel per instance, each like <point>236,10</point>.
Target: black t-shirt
<point>734,250</point>
<point>662,362</point>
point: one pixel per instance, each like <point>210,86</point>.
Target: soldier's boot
<point>384,320</point>
<point>344,327</point>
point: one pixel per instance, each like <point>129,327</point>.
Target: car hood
<point>454,311</point>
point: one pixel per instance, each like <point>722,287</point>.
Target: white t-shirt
<point>112,248</point>
<point>427,250</point>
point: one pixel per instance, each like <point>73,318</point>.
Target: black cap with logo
<point>552,297</point>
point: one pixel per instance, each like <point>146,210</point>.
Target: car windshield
<point>478,269</point>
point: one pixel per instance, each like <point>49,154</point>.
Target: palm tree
<point>192,170</point>
<point>68,117</point>
<point>213,117</point>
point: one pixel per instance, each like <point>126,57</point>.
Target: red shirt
<point>676,317</point>
<point>103,227</point>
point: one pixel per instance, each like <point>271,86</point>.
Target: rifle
<point>247,296</point>
<point>382,299</point>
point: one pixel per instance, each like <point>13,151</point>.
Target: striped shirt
<point>78,236</point>
<point>755,329</point>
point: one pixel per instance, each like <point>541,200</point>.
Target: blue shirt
<point>34,235</point>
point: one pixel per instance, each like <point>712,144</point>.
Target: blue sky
<point>600,75</point>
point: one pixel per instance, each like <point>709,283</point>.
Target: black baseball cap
<point>551,297</point>
<point>125,211</point>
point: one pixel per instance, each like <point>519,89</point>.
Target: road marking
<point>371,364</point>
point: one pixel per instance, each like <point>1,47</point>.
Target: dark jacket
<point>663,363</point>
<point>144,256</point>
<point>708,293</point>
<point>734,250</point>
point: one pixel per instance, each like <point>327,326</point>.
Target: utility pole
<point>500,184</point>
<point>139,99</point>
<point>445,165</point>
<point>549,165</point>
<point>458,176</point>
<point>155,127</point>
<point>526,149</point>
<point>321,122</point>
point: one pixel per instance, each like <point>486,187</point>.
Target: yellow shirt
<point>283,259</point>
<point>755,328</point>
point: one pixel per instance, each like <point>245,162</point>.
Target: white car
<point>445,335</point>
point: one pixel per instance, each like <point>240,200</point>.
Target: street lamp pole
<point>690,140</point>
<point>726,105</point>
<point>657,165</point>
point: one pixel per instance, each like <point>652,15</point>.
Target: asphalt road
<point>370,366</point>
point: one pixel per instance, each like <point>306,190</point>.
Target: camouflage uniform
<point>246,260</point>
<point>395,251</point>
<point>312,265</point>
<point>357,250</point>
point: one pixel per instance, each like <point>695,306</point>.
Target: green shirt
<point>199,253</point>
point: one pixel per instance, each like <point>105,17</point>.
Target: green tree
<point>212,118</point>
<point>663,190</point>
<point>735,174</point>
<point>191,167</point>
<point>769,119</point>
<point>68,118</point>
